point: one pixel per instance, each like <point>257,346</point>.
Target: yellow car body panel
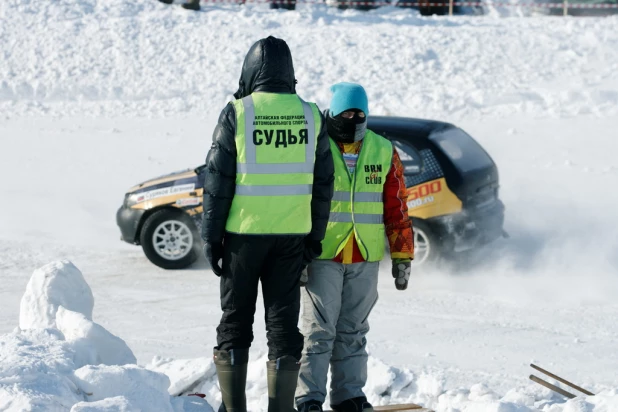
<point>431,199</point>
<point>180,200</point>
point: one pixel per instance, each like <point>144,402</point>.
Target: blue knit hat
<point>348,96</point>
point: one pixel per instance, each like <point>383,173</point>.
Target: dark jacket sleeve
<point>220,177</point>
<point>323,181</point>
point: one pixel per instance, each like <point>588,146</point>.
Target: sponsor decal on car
<point>420,202</point>
<point>431,199</point>
<point>188,201</point>
<point>422,194</point>
<point>166,191</point>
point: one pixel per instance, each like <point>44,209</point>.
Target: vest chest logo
<point>282,137</point>
<point>373,178</point>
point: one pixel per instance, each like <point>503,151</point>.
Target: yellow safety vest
<point>276,138</point>
<point>357,208</point>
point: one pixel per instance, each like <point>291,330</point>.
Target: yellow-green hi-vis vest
<point>357,208</point>
<point>276,138</point>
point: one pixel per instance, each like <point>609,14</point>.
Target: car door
<point>428,193</point>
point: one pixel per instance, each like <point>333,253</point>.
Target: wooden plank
<point>403,407</point>
<point>552,387</point>
<point>559,379</point>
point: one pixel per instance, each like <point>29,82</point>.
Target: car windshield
<point>463,150</point>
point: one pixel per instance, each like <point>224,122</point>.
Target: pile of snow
<point>143,58</point>
<point>60,360</point>
<point>389,385</point>
<point>57,296</point>
<point>56,286</point>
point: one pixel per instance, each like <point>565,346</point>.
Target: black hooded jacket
<point>267,68</point>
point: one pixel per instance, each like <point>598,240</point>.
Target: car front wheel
<point>169,239</point>
<point>426,248</point>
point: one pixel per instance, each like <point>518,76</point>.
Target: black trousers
<point>275,261</point>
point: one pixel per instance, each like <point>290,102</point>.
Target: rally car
<point>452,197</point>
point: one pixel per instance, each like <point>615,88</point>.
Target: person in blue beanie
<point>341,285</point>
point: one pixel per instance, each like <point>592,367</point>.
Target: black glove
<point>401,273</point>
<point>214,253</point>
<point>304,277</point>
<point>313,249</point>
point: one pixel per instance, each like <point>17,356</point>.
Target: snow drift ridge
<point>122,58</point>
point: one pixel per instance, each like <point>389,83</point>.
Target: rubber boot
<point>232,373</point>
<point>282,375</point>
<point>358,404</point>
<point>192,5</point>
<point>310,406</point>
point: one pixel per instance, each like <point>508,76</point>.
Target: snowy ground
<point>96,98</point>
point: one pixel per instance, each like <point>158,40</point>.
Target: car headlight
<point>131,199</point>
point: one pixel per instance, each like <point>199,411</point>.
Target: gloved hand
<point>401,273</point>
<point>313,249</point>
<point>214,253</point>
<point>304,277</point>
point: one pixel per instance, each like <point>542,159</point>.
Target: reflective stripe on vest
<point>345,217</point>
<point>274,190</point>
<point>357,207</point>
<point>358,197</point>
<point>275,143</point>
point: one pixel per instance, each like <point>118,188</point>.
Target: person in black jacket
<point>276,259</point>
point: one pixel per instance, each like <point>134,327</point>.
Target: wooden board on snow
<point>403,407</point>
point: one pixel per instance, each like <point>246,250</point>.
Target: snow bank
<point>92,341</point>
<point>389,385</point>
<point>606,401</point>
<point>199,375</point>
<point>184,374</point>
<point>61,360</point>
<point>35,372</point>
<point>129,388</point>
<point>57,296</point>
<point>54,285</point>
<point>146,389</point>
<point>143,58</point>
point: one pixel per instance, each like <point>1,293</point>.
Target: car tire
<point>169,239</point>
<point>427,247</point>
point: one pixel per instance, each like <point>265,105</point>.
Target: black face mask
<point>346,130</point>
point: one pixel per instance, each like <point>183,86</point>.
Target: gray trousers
<point>336,304</point>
